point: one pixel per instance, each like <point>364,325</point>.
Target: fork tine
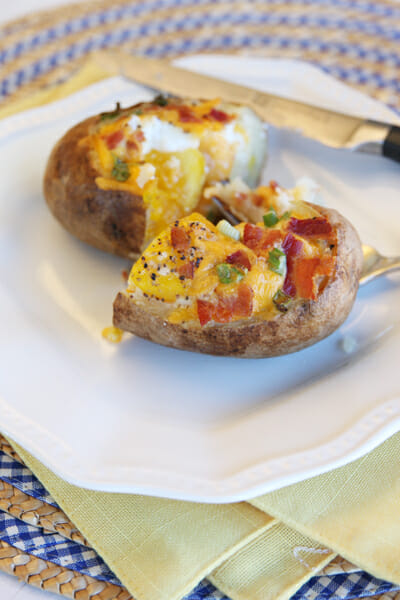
<point>224,211</point>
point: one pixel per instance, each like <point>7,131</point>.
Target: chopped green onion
<point>286,215</point>
<point>271,218</point>
<point>110,115</point>
<point>160,100</point>
<point>277,261</point>
<point>229,274</point>
<point>281,301</point>
<point>228,230</point>
<point>211,215</point>
<point>120,170</point>
<point>138,111</point>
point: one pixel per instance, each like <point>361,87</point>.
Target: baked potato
<point>252,290</point>
<point>116,180</point>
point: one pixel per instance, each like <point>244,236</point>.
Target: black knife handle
<point>391,145</point>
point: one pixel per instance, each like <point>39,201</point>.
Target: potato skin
<point>304,324</point>
<point>111,220</point>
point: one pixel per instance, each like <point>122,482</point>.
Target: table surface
<point>12,588</point>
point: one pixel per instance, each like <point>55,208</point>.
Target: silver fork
<point>374,263</point>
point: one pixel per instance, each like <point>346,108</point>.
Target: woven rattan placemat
<point>355,41</point>
<point>36,571</point>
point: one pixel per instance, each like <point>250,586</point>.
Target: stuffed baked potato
<point>117,179</point>
<point>253,290</point>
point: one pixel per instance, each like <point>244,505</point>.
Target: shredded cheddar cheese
<point>112,334</point>
<point>195,273</point>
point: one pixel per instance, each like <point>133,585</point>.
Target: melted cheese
<point>156,274</point>
<point>175,189</point>
<point>264,283</point>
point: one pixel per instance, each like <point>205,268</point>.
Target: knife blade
<point>330,128</point>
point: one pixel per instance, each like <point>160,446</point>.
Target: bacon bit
<point>292,248</point>
<point>125,274</point>
<point>304,275</point>
<point>273,185</point>
<point>186,115</point>
<point>243,306</point>
<point>227,307</point>
<point>205,311</point>
<point>270,237</point>
<point>187,269</point>
<point>134,141</point>
<point>289,286</point>
<point>306,272</point>
<point>324,270</point>
<point>291,245</point>
<point>258,200</point>
<point>219,115</point>
<point>223,312</point>
<point>326,266</point>
<point>131,144</point>
<point>259,239</point>
<point>252,235</point>
<point>114,139</point>
<point>310,227</point>
<point>180,239</point>
<point>239,258</point>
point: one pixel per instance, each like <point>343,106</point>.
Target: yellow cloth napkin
<point>260,551</point>
<point>161,548</point>
<point>354,510</point>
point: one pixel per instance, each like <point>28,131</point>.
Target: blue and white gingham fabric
<point>18,475</point>
<point>343,586</point>
<point>53,547</point>
<point>61,551</point>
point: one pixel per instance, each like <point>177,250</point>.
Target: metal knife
<point>328,127</point>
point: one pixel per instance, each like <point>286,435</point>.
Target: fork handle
<point>391,145</point>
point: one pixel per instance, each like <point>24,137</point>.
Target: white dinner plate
<point>137,417</point>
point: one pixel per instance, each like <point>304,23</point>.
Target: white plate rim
<point>367,433</point>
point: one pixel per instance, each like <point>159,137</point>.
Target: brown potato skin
<point>111,220</point>
<point>304,324</point>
